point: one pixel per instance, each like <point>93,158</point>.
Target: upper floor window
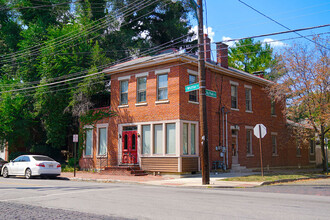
<point>193,94</point>
<point>124,92</point>
<point>234,97</point>
<point>162,87</point>
<point>312,146</point>
<point>272,107</point>
<point>248,99</point>
<point>141,89</point>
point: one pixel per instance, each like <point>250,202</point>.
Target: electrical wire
<point>93,25</point>
<point>281,24</point>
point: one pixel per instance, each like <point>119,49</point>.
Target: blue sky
<point>232,19</point>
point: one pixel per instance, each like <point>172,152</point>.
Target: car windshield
<point>42,158</point>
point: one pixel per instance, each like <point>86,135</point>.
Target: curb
<point>292,180</point>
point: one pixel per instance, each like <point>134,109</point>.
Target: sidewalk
<point>187,181</point>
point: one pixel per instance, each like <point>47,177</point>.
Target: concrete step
<point>237,168</point>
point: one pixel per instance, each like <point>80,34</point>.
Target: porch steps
<point>237,168</point>
<point>124,170</point>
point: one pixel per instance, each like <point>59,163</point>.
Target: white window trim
<point>137,91</point>
<point>89,127</point>
<point>192,72</point>
<point>141,104</point>
<point>98,126</point>
<point>124,78</point>
<point>162,101</point>
<point>196,103</point>
<point>234,83</point>
<point>145,74</point>
<point>163,71</point>
<point>178,127</point>
<point>123,105</point>
<point>157,90</point>
<point>247,86</point>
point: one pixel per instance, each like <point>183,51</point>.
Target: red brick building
<point>157,126</point>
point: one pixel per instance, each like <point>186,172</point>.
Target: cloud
<point>229,43</point>
<point>208,30</point>
<point>274,43</point>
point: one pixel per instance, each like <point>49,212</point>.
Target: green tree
<point>305,84</point>
<point>251,56</point>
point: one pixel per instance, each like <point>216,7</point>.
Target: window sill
<point>122,106</point>
<point>88,157</point>
<point>101,156</point>
<point>192,102</point>
<point>162,102</point>
<point>275,155</point>
<point>141,104</point>
<point>250,155</point>
<point>248,111</point>
<point>298,155</point>
<point>235,109</point>
<point>274,116</point>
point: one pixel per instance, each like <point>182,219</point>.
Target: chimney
<point>207,48</point>
<point>222,54</point>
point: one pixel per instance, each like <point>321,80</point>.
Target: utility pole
<point>202,97</point>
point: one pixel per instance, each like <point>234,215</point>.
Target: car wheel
<point>28,173</point>
<point>5,172</point>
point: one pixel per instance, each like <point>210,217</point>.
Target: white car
<point>31,165</point>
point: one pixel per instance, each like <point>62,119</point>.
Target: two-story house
<point>157,122</point>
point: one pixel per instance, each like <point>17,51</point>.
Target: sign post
<point>75,141</point>
<point>260,131</point>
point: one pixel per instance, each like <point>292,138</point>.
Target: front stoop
<point>237,168</point>
<point>124,170</point>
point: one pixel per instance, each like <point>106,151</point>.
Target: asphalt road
<point>58,199</point>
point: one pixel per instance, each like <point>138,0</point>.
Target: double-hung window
<point>248,99</point>
<point>146,135</point>
<point>170,138</point>
<point>193,94</point>
<point>272,107</point>
<point>89,142</point>
<point>162,87</point>
<point>102,146</point>
<point>234,104</point>
<point>248,141</point>
<point>124,92</point>
<point>142,89</point>
<point>274,145</point>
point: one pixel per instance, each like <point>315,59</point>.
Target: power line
<point>281,24</point>
<point>277,33</point>
<point>72,35</point>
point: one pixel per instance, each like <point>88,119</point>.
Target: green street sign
<point>211,93</point>
<point>192,87</point>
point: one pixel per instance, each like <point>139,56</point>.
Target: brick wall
<point>179,107</point>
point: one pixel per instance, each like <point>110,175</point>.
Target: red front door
<point>129,139</point>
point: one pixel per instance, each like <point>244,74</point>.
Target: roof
<point>179,56</point>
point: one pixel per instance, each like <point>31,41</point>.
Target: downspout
<point>227,139</point>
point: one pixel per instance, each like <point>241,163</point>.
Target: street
<point>60,199</point>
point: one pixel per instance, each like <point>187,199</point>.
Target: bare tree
<point>306,86</point>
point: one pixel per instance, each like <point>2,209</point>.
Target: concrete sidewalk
<point>186,181</point>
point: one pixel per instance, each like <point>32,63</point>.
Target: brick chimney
<point>207,48</point>
<point>222,54</point>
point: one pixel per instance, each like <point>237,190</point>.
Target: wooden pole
<point>262,169</point>
<point>202,106</point>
